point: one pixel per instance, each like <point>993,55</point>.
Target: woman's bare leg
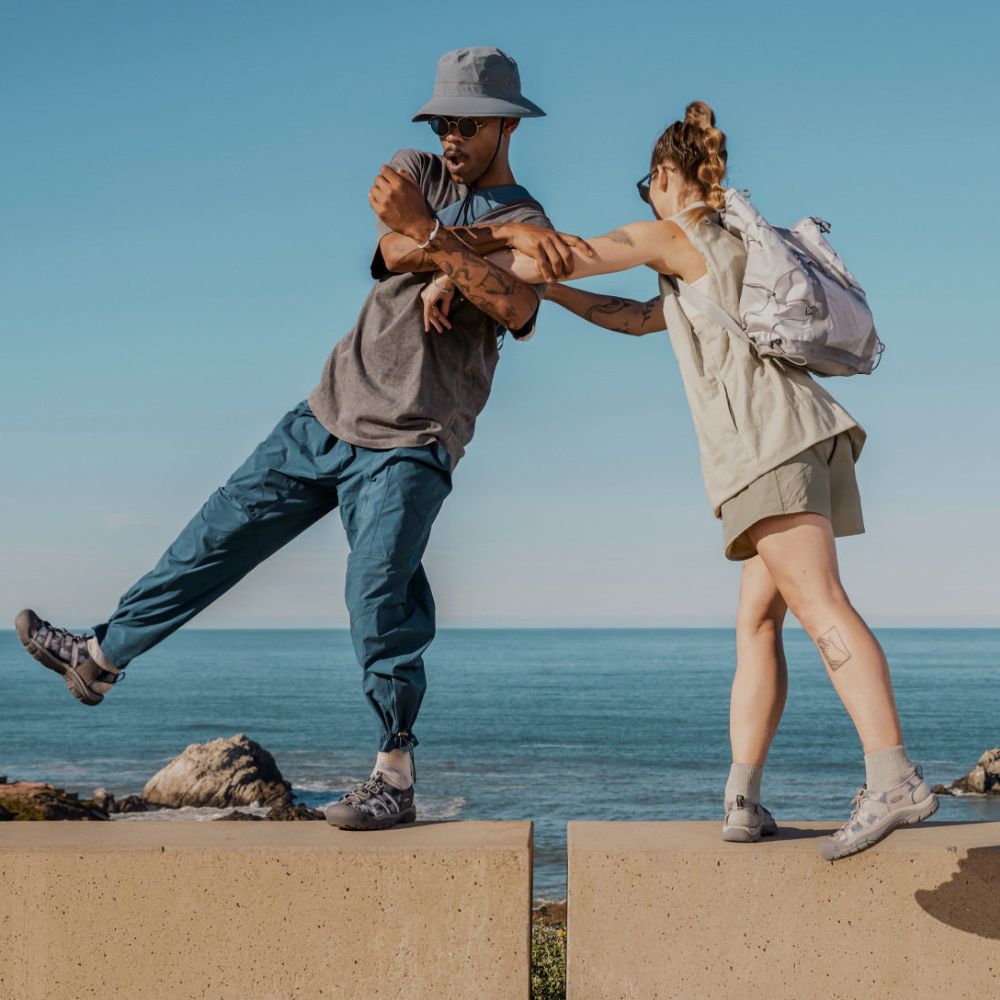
<point>756,702</point>
<point>799,552</point>
<point>801,556</point>
<point>760,684</point>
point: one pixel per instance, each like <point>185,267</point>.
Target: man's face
<point>467,159</point>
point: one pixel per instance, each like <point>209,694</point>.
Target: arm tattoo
<point>490,288</point>
<point>609,307</point>
<point>833,649</point>
<point>620,236</point>
<point>623,315</point>
<point>479,239</point>
<point>647,309</point>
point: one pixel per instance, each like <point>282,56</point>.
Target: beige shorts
<point>819,480</point>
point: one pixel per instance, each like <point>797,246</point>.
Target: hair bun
<point>700,114</point>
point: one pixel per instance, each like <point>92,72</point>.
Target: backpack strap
<point>704,305</point>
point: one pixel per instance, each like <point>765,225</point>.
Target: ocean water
<point>548,725</point>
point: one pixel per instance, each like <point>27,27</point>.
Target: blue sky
<point>185,235</point>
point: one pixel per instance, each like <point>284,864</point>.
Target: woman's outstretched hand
<point>437,297</point>
<point>551,251</point>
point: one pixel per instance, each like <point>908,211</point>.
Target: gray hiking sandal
<point>66,653</point>
<point>876,814</point>
<point>746,822</point>
<point>375,805</point>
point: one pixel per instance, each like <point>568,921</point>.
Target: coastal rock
<point>35,800</point>
<point>281,812</point>
<point>103,799</point>
<point>132,804</point>
<point>220,773</point>
<point>294,812</point>
<point>4,815</point>
<point>983,779</point>
<point>236,815</point>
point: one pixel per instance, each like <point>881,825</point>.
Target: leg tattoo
<point>833,649</point>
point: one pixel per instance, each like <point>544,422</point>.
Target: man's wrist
<point>424,232</point>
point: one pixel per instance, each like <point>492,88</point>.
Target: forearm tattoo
<point>647,309</point>
<point>479,239</point>
<point>620,236</point>
<point>623,315</point>
<point>488,287</point>
<point>833,649</point>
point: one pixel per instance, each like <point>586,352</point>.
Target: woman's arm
<point>661,245</point>
<point>608,311</point>
<point>623,315</point>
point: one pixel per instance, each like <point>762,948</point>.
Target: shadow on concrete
<point>970,900</point>
<point>798,833</point>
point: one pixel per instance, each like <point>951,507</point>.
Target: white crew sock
<point>744,779</point>
<point>885,769</point>
<point>395,765</point>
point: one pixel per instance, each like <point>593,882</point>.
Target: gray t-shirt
<point>387,384</point>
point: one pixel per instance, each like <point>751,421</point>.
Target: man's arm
<point>623,315</point>
<point>402,255</point>
<point>400,205</point>
<point>551,252</point>
<point>488,287</point>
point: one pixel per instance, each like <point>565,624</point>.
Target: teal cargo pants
<point>388,501</point>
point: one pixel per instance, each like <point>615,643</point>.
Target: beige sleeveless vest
<point>750,413</point>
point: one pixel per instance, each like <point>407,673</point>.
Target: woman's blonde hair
<point>697,149</point>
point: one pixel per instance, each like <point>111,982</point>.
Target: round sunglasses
<point>467,128</point>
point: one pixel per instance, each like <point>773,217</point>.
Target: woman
<point>778,456</point>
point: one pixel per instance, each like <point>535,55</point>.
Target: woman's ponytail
<point>697,149</point>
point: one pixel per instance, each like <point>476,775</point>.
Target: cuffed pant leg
<point>388,505</point>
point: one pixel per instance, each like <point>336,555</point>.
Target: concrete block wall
<point>666,910</point>
<point>442,911</point>
<point>264,911</point>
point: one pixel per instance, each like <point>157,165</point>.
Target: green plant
<point>548,962</point>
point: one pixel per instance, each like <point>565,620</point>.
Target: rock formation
<point>983,779</point>
<point>220,773</point>
<point>26,800</point>
<point>104,800</point>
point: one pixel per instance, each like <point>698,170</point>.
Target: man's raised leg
<point>287,484</point>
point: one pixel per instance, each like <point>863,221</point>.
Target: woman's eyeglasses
<point>643,187</point>
<point>467,128</point>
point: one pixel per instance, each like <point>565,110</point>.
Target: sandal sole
<point>382,823</point>
<point>904,819</point>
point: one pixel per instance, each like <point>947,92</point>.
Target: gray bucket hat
<point>479,82</point>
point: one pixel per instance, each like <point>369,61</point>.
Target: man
<point>379,437</point>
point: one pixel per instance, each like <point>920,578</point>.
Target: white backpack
<point>799,302</point>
